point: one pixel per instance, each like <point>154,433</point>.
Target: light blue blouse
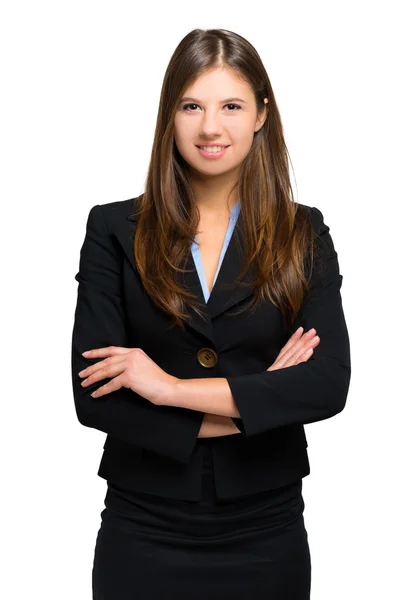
<point>195,249</point>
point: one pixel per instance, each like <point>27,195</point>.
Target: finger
<point>101,364</point>
<point>289,358</point>
<point>297,345</point>
<point>111,386</point>
<point>105,351</point>
<point>105,372</point>
<point>293,339</point>
<point>305,356</point>
<point>307,351</point>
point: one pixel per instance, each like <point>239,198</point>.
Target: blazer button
<point>207,357</point>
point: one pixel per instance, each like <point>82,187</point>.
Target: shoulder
<point>318,220</point>
<point>314,215</point>
<point>120,208</point>
<point>115,213</point>
<point>320,247</point>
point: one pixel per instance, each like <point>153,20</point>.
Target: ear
<point>262,116</point>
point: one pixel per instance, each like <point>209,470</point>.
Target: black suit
<point>155,449</point>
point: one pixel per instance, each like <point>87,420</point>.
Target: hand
<point>131,368</point>
<point>298,349</point>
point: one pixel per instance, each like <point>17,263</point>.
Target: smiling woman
<point>221,129</point>
<point>203,401</point>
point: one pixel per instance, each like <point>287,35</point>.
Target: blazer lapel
<point>225,293</point>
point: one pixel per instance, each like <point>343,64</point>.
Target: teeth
<point>212,148</point>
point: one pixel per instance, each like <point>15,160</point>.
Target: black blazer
<point>155,449</point>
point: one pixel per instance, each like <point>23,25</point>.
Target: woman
<point>189,349</point>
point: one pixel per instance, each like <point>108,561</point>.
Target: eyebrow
<point>220,102</point>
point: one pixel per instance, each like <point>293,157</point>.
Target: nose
<point>211,124</point>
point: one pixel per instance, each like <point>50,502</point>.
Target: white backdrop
<point>80,88</point>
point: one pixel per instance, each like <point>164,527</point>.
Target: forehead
<point>219,84</point>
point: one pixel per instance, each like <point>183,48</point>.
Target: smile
<point>213,151</point>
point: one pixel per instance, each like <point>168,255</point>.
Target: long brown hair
<point>278,235</point>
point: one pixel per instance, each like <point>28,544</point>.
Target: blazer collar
<point>222,297</point>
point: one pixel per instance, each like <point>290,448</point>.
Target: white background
<point>80,88</point>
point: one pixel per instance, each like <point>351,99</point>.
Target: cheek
<point>241,134</point>
<point>183,138</point>
<point>183,128</point>
<point>241,146</point>
<point>180,139</point>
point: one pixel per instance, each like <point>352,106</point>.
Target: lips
<point>225,146</point>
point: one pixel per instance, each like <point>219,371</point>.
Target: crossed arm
<point>99,321</point>
<point>241,403</point>
<point>302,393</point>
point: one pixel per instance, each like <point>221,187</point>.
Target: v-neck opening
<point>195,250</point>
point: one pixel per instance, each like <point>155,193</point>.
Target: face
<point>203,117</point>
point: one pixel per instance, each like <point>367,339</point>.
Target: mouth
<point>212,154</point>
<point>219,145</point>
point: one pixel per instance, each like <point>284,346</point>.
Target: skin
<point>209,120</point>
<point>206,119</point>
<point>133,368</point>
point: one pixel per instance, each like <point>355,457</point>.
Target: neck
<point>215,196</point>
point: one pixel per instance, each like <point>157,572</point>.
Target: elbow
<point>84,403</point>
<point>83,415</point>
<point>340,387</point>
<point>84,406</point>
<point>329,389</point>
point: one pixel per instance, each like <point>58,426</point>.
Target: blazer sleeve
<point>314,390</point>
<point>99,321</point>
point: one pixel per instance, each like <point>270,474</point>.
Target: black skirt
<point>154,548</point>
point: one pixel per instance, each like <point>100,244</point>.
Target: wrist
<point>168,396</point>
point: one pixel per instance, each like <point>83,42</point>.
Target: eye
<point>235,105</point>
<point>186,107</point>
